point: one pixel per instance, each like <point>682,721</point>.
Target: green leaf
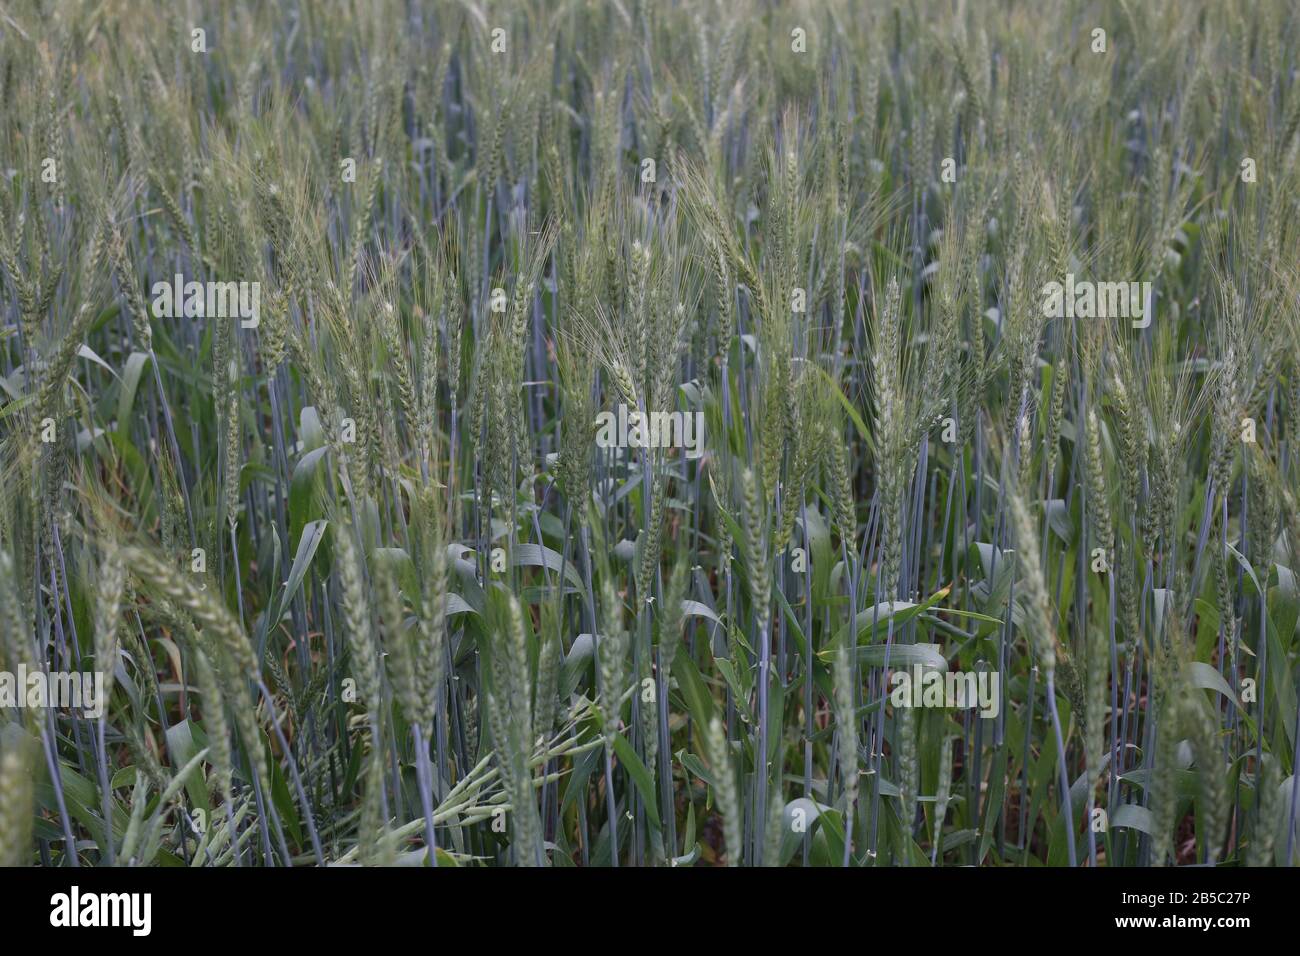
<point>849,408</point>
<point>312,535</point>
<point>903,655</point>
<point>696,766</point>
<point>801,812</point>
<point>739,687</point>
<point>1204,676</point>
<point>696,609</point>
<point>310,430</point>
<point>183,745</point>
<point>877,617</point>
<point>641,777</point>
<point>535,555</point>
<point>1058,519</point>
<point>304,488</point>
<point>993,804</point>
<point>1135,817</point>
<point>396,562</point>
<point>130,385</point>
<point>698,700</point>
<point>1246,566</point>
<point>280,795</point>
<point>577,661</point>
<point>86,352</point>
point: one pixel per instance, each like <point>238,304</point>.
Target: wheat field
<point>617,433</point>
